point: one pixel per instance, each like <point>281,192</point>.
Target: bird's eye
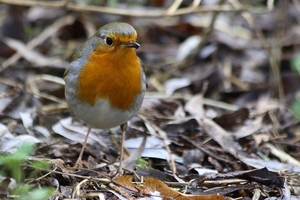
<point>109,41</point>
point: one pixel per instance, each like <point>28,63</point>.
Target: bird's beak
<point>132,45</point>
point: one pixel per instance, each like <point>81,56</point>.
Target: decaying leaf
<point>151,187</point>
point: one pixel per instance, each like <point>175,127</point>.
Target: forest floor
<point>220,119</point>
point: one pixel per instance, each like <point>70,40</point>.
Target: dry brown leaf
<point>152,186</point>
<point>195,106</point>
<point>224,138</point>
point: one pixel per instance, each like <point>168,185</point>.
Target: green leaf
<point>38,194</point>
<point>296,63</point>
<point>295,107</point>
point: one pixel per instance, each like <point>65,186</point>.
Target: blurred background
<point>223,90</point>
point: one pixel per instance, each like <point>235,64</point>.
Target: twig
<point>276,49</point>
<point>124,12</point>
<point>68,19</point>
<point>175,5</point>
<point>284,157</point>
<point>16,87</point>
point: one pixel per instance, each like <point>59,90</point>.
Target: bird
<point>105,83</point>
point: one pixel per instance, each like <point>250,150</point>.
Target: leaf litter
<point>216,127</point>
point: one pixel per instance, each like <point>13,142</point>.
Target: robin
<point>105,83</point>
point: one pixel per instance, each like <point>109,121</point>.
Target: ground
<point>220,119</point>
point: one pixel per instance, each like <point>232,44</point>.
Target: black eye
<point>109,41</point>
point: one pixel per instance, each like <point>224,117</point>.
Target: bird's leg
<point>123,129</point>
<point>78,163</point>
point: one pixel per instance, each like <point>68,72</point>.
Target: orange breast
<point>116,78</point>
